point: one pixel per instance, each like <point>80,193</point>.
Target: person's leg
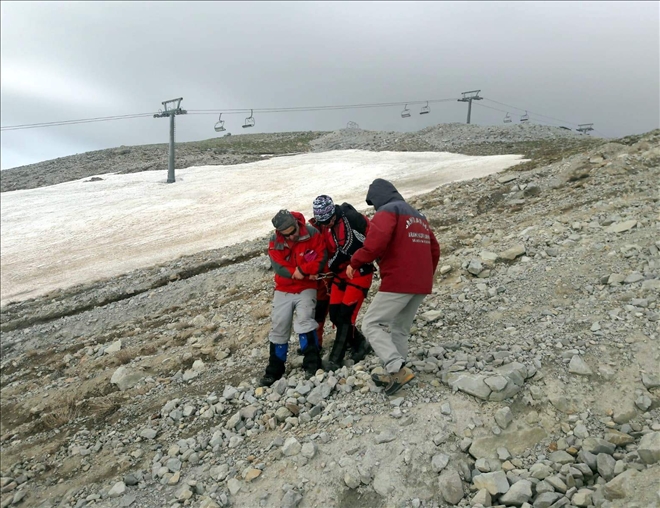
<point>381,313</point>
<point>305,326</point>
<point>402,323</point>
<point>337,290</point>
<point>322,307</point>
<point>278,338</point>
<point>358,292</point>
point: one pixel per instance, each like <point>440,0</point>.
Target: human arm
<point>381,230</point>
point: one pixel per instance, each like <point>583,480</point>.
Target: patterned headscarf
<point>324,208</point>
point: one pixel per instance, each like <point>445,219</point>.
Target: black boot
<point>361,348</point>
<point>310,350</point>
<point>336,358</point>
<point>276,364</point>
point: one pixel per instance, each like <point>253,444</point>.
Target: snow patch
<point>76,232</point>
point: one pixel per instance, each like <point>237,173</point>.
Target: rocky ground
<point>536,360</point>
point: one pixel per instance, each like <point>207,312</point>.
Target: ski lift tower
<point>584,128</point>
<point>469,98</point>
<point>172,108</point>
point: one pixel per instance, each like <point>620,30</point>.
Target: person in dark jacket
<point>297,254</point>
<point>407,252</point>
<point>344,230</point>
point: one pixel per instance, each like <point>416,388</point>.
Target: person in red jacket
<point>402,242</point>
<point>344,230</point>
<point>297,254</point>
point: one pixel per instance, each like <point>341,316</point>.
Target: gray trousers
<point>396,311</point>
<point>292,307</point>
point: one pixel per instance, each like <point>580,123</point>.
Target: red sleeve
<point>435,251</point>
<point>381,230</point>
<point>278,258</point>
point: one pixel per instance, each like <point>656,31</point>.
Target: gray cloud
<point>576,61</point>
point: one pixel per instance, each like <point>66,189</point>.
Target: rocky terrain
<point>536,358</point>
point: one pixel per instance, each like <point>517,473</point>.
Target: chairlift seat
<point>220,125</point>
<point>406,112</point>
<point>425,109</point>
<point>249,121</point>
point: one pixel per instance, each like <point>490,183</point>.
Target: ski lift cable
<point>225,111</point>
<point>530,112</point>
<point>315,108</point>
<point>73,122</point>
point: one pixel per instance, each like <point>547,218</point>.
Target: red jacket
<point>402,242</point>
<point>308,254</point>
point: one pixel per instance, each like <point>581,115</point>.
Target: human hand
<point>313,277</point>
<point>297,275</point>
<point>349,271</point>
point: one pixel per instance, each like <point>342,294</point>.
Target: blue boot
<point>309,344</point>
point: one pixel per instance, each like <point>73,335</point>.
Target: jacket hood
<point>382,192</point>
<point>300,218</point>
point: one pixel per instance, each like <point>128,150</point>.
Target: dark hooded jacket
<point>400,240</point>
<point>308,254</point>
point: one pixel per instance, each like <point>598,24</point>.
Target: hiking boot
<point>311,354</point>
<point>361,348</point>
<point>332,366</point>
<point>276,364</point>
<point>398,380</point>
<point>268,380</point>
<point>336,357</point>
<point>381,379</point>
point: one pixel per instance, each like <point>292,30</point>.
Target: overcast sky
<point>577,62</point>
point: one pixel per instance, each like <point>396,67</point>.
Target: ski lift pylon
<point>406,112</point>
<point>425,109</point>
<point>249,121</point>
<point>220,125</point>
<point>507,118</point>
<point>525,117</point>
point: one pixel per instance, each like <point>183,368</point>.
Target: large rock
<point>517,438</point>
<point>495,483</point>
<point>439,462</point>
<point>596,446</point>
<point>519,493</point>
<point>578,366</point>
<point>618,487</point>
<point>513,252</point>
<point>319,393</point>
<point>471,384</point>
<point>291,447</point>
<point>451,487</point>
<point>620,227</point>
<point>125,378</point>
<point>649,448</point>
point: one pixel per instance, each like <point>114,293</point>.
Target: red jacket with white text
<point>400,240</point>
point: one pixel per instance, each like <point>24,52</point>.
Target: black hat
<point>283,220</point>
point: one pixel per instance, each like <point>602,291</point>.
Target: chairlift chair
<point>220,125</point>
<point>406,112</point>
<point>249,121</point>
<point>507,118</point>
<point>425,109</point>
<point>525,117</point>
